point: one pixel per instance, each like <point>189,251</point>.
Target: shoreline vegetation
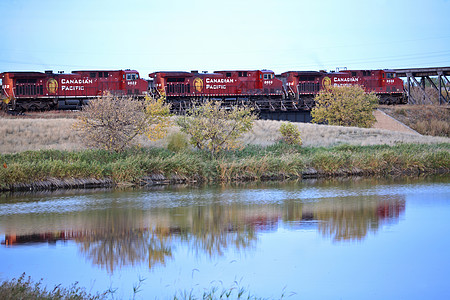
<point>24,287</point>
<point>54,169</point>
<point>42,151</point>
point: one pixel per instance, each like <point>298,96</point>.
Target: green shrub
<point>345,106</point>
<point>214,128</point>
<point>177,142</point>
<point>112,122</point>
<point>290,134</point>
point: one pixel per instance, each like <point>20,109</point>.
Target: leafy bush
<point>290,134</point>
<point>177,142</point>
<point>345,106</point>
<point>214,128</point>
<point>112,122</point>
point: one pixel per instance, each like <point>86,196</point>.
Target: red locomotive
<point>258,88</point>
<point>302,86</point>
<point>25,91</point>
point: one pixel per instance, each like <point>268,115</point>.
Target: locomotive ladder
<point>425,74</point>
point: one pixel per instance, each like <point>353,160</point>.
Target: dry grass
<point>20,134</point>
<point>431,98</point>
<point>266,133</point>
<point>425,119</point>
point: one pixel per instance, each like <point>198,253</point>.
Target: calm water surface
<point>342,239</point>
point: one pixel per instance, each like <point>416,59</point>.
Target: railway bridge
<point>416,83</point>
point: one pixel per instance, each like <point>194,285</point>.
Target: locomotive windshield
<point>132,76</point>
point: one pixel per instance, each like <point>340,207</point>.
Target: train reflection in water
<point>116,238</point>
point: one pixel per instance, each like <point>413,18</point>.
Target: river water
<point>338,239</point>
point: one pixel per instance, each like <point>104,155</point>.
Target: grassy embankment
<point>425,119</point>
<point>253,162</point>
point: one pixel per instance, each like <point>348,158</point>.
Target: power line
<point>165,52</point>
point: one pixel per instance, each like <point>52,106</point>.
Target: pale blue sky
<point>223,35</point>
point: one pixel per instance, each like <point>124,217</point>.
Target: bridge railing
<point>419,81</point>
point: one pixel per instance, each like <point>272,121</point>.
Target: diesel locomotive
<point>303,86</point>
<point>28,91</point>
<point>259,88</point>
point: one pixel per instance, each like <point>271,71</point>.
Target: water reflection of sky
<point>316,239</point>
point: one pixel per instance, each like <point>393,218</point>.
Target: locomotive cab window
<point>242,73</point>
<point>132,76</point>
<point>390,75</point>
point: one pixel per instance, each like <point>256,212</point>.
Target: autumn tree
<point>345,106</point>
<point>214,128</point>
<point>113,122</point>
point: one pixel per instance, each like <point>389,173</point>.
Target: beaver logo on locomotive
<point>326,82</point>
<point>52,86</point>
<point>198,84</point>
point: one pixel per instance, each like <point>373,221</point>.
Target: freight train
<point>262,89</point>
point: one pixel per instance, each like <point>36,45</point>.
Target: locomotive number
<point>390,81</point>
<point>6,86</point>
<point>268,82</point>
<point>132,83</point>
